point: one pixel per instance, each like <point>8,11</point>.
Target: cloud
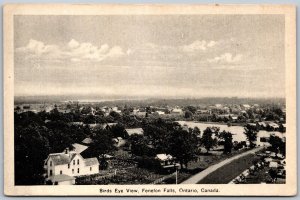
<point>226,58</point>
<point>73,51</point>
<point>115,51</point>
<point>73,44</point>
<point>38,48</point>
<point>198,46</point>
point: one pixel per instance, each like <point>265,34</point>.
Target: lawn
<point>225,174</point>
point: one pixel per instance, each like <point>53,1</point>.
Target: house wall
<point>87,171</point>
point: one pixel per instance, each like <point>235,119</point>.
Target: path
<point>201,175</point>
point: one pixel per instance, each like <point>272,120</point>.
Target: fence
<point>163,178</point>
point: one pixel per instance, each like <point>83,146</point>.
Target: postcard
<point>149,100</point>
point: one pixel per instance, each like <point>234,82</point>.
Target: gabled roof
<point>78,148</point>
<point>132,131</point>
<point>87,141</point>
<point>91,161</point>
<point>62,158</point>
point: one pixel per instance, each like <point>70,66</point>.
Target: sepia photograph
<point>150,100</point>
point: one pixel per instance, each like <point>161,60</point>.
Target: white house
<point>166,161</point>
<point>160,112</point>
<point>61,167</point>
<point>177,111</point>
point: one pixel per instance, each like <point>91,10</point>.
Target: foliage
<point>227,137</point>
<point>277,145</point>
<point>207,141</point>
<point>139,146</point>
<point>251,134</point>
<point>31,148</point>
<point>183,146</point>
<point>102,143</point>
<point>188,114</point>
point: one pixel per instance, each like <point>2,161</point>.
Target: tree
<point>118,130</point>
<point>196,131</point>
<point>31,148</point>
<point>207,141</point>
<point>89,119</point>
<point>115,115</point>
<point>191,109</point>
<point>273,175</point>
<point>183,146</point>
<point>277,145</point>
<point>102,143</point>
<point>227,138</point>
<point>251,135</point>
<point>188,114</point>
<point>139,146</point>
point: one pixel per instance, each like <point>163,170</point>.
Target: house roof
<point>274,125</point>
<point>91,161</point>
<point>111,124</point>
<point>78,148</point>
<point>132,131</point>
<point>62,158</point>
<point>177,110</point>
<point>93,125</point>
<point>87,141</point>
<point>76,123</point>
<point>61,178</point>
<point>273,164</point>
<point>164,157</point>
<point>262,124</point>
<point>251,124</point>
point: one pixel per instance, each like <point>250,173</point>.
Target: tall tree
<point>227,139</point>
<point>251,135</point>
<point>207,141</point>
<point>184,146</point>
<point>31,148</point>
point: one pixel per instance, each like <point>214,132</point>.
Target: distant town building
<point>177,111</point>
<point>131,131</point>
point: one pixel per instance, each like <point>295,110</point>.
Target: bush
<point>148,163</point>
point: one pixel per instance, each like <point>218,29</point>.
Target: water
<point>237,131</point>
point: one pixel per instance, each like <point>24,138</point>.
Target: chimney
<point>67,151</point>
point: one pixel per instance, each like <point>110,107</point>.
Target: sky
<point>182,56</point>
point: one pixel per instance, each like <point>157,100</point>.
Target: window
<point>50,173</point>
<point>77,161</point>
<point>73,162</point>
<point>90,168</point>
<point>60,172</point>
<point>78,170</point>
<point>68,166</point>
<point>72,171</point>
<point>50,163</point>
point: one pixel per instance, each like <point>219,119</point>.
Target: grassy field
<point>228,172</point>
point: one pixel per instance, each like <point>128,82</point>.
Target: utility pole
<point>176,176</point>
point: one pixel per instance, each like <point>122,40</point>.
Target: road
<point>201,175</point>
